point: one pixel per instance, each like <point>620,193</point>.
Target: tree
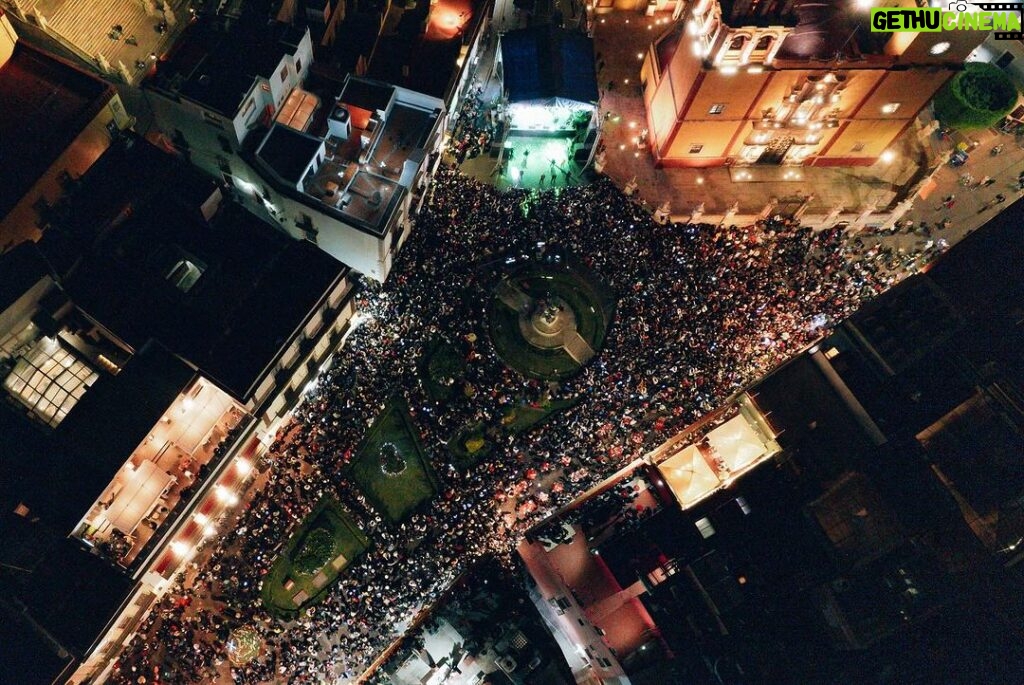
<point>316,550</point>
<point>977,97</point>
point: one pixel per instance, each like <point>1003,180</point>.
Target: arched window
<point>737,43</point>
<point>763,43</point>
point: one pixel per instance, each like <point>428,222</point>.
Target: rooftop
<point>218,58</point>
<point>737,13</point>
<point>360,177</point>
<point>289,152</point>
<point>366,94</point>
<point>70,594</point>
<point>225,294</point>
<point>253,288</point>
<point>106,426</point>
<point>114,31</point>
<point>46,104</point>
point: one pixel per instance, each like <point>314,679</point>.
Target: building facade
<point>789,83</point>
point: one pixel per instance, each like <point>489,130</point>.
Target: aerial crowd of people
<point>701,310</point>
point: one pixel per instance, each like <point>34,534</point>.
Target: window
<point>737,43</point>
<point>763,43</point>
<point>284,73</point>
<point>857,147</point>
<point>890,107</point>
<point>265,87</point>
<point>695,148</point>
<point>743,505</point>
<point>1003,61</point>
<point>248,107</point>
<point>212,120</point>
<point>705,528</point>
<point>716,108</point>
<point>184,274</point>
<point>298,65</point>
<point>49,380</point>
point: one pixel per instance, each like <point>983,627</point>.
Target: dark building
<point>883,543</point>
<point>149,344</point>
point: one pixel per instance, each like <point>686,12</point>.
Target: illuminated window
<point>705,528</point>
<point>890,107</point>
<point>744,506</point>
<point>939,48</point>
<point>49,380</point>
<point>716,108</point>
<point>696,148</point>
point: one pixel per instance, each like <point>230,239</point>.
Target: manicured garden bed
<point>393,489</point>
<point>526,416</point>
<point>320,548</point>
<point>441,369</point>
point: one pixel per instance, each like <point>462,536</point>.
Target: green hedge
<point>977,97</point>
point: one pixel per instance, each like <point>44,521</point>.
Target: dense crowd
<point>477,124</point>
<point>701,310</point>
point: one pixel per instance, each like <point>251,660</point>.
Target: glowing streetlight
<point>226,496</point>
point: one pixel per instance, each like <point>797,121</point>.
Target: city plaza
<point>700,311</point>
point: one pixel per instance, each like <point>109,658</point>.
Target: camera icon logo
<point>960,6</point>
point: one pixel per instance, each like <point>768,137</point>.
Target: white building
<point>339,163</point>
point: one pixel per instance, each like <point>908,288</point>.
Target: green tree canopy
<point>977,97</point>
<point>315,551</point>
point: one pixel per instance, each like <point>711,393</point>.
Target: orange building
<point>737,82</point>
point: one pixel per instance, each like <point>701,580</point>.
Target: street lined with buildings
<point>269,287</point>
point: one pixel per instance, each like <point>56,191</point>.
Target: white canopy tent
<point>737,444</point>
<point>689,475</point>
<point>138,496</point>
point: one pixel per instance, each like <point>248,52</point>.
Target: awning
<point>138,496</point>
